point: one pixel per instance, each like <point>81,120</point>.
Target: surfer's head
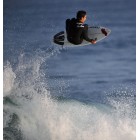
<point>81,16</point>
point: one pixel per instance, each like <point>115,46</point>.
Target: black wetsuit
<point>76,31</point>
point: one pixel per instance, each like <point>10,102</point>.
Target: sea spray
<point>30,113</point>
<point>8,79</point>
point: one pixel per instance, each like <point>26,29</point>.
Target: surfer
<point>77,30</point>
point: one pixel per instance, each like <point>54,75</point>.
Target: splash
<point>30,113</point>
<point>8,79</point>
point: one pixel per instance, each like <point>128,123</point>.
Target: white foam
<point>45,118</point>
<point>8,79</point>
<point>41,117</point>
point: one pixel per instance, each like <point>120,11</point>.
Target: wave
<point>30,113</point>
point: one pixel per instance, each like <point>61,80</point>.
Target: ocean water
<point>72,93</point>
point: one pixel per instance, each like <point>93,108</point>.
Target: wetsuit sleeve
<point>85,34</point>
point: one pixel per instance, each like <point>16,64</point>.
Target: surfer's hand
<point>93,41</point>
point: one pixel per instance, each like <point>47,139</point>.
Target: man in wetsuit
<point>77,30</point>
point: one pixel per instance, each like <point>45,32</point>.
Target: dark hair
<point>81,14</point>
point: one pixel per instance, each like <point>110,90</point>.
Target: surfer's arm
<point>85,35</point>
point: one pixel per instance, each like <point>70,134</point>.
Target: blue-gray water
<point>76,93</point>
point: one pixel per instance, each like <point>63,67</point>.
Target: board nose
<point>108,31</point>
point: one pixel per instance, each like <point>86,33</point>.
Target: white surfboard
<point>94,32</point>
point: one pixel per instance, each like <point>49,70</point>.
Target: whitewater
<point>30,113</point>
